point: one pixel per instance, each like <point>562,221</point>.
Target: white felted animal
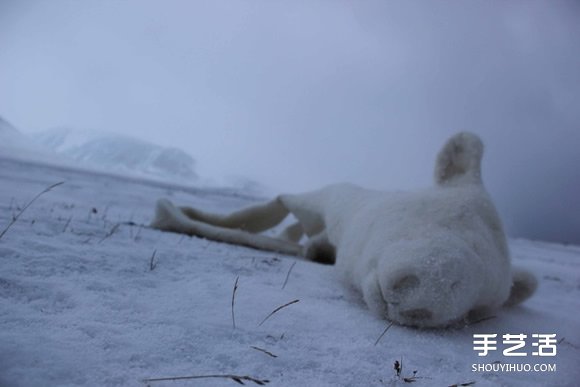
<point>427,258</point>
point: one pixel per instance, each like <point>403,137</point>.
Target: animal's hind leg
<point>170,218</point>
<point>252,219</point>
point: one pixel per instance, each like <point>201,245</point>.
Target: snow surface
<point>80,305</point>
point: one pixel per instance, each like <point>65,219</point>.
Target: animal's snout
<point>430,282</point>
<point>402,288</point>
<point>423,297</point>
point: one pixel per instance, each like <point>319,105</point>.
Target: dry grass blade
<point>384,332</point>
<point>234,300</point>
<point>264,351</point>
<point>288,275</point>
<point>111,232</point>
<point>15,217</point>
<point>181,239</point>
<point>67,223</point>
<point>152,263</point>
<point>276,310</point>
<point>236,378</point>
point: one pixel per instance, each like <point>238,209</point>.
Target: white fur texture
<point>425,259</point>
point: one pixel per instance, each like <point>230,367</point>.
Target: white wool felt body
<point>427,258</point>
<point>440,251</point>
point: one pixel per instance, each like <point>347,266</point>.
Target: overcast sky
<point>297,94</point>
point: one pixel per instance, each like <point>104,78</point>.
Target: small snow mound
<point>122,154</point>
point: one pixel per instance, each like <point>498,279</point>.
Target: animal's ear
<point>459,160</point>
<point>523,286</point>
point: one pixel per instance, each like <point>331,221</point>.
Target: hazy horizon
<point>296,95</point>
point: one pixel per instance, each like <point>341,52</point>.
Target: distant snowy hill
<point>112,153</point>
<point>119,154</point>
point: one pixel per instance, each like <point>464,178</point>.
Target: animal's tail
<point>459,161</point>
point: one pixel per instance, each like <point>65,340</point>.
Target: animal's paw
<point>524,285</point>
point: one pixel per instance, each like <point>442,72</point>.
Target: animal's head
<point>434,282</point>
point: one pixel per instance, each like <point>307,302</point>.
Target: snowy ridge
<point>120,154</point>
<point>101,152</point>
<point>88,300</point>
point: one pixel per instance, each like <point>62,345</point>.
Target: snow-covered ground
<point>83,303</point>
